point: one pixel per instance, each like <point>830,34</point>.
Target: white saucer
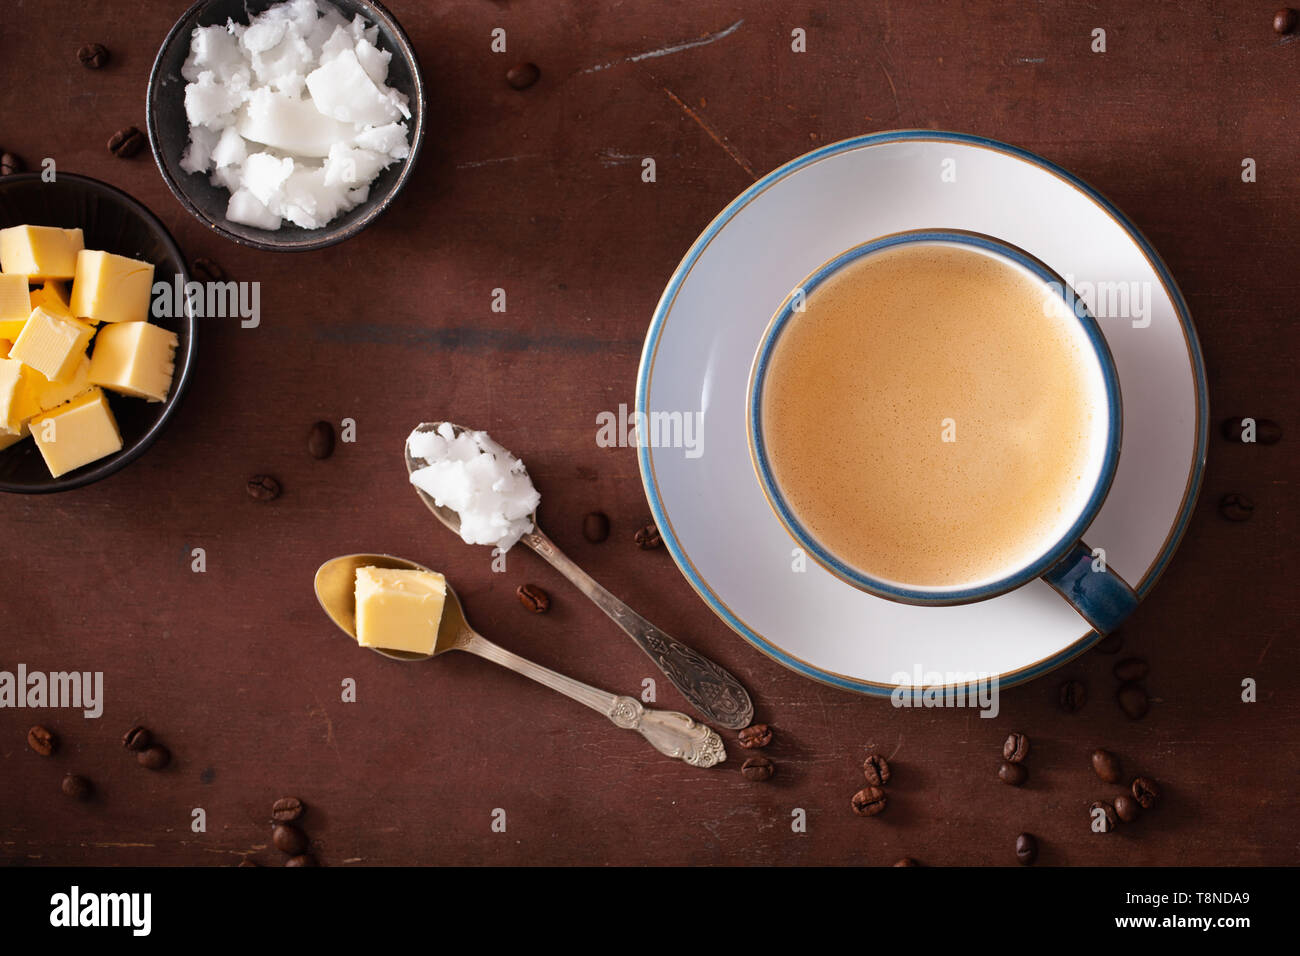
<point>707,501</point>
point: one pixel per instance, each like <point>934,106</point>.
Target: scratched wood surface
<point>539,192</point>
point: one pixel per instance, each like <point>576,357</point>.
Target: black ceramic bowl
<point>113,221</point>
<point>169,129</point>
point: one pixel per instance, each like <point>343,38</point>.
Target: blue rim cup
<point>1102,597</point>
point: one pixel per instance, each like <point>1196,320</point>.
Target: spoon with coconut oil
<point>669,732</point>
<point>711,690</point>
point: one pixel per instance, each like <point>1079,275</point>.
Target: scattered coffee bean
<point>263,488</point>
<point>10,164</point>
<point>1145,792</point>
<point>869,801</point>
<point>1236,507</point>
<point>93,56</point>
<point>42,741</point>
<point>1131,668</point>
<point>759,735</point>
<point>595,527</point>
<point>907,861</point>
<point>534,598</point>
<point>1133,701</point>
<point>1110,644</point>
<point>1103,822</point>
<point>302,859</point>
<point>126,142</point>
<point>1016,747</point>
<point>1267,431</point>
<point>288,839</point>
<point>206,270</point>
<point>523,75</point>
<point>876,769</point>
<point>76,786</point>
<point>1106,764</point>
<point>286,809</point>
<point>1026,848</point>
<point>137,738</point>
<point>1072,695</point>
<point>757,769</point>
<point>648,537</point>
<point>247,862</point>
<point>1284,21</point>
<point>320,440</point>
<point>1012,774</point>
<point>156,757</point>
<point>1127,808</point>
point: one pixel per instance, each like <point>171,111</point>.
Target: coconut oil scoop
<point>483,493</point>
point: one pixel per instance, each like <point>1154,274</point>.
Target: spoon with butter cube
<point>406,612</point>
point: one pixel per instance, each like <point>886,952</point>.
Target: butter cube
<point>40,252</point>
<point>76,433</point>
<point>110,288</point>
<point>18,400</point>
<point>7,439</point>
<point>134,358</point>
<point>399,609</point>
<point>52,296</point>
<point>52,344</point>
<point>15,306</point>
<point>48,394</point>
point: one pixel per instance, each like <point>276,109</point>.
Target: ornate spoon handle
<point>669,732</point>
<point>712,691</point>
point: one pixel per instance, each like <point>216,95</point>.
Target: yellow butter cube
<point>134,358</point>
<point>18,400</point>
<point>7,439</point>
<point>111,288</point>
<point>15,302</point>
<point>49,394</point>
<point>52,296</point>
<point>52,344</point>
<point>40,252</point>
<point>399,609</point>
<point>76,433</point>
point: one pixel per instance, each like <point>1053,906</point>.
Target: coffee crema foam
<point>860,384</point>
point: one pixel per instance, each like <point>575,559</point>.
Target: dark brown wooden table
<point>539,192</point>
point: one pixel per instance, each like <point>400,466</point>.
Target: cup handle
<point>1101,596</point>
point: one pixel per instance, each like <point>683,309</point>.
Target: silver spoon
<point>711,690</point>
<point>669,732</point>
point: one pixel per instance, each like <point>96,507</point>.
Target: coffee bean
<point>1103,822</point>
<point>907,861</point>
<point>1131,668</point>
<point>1110,644</point>
<point>534,598</point>
<point>869,801</point>
<point>758,769</point>
<point>876,769</point>
<point>1072,695</point>
<point>759,735</point>
<point>320,440</point>
<point>206,270</point>
<point>523,75</point>
<point>93,56</point>
<point>1284,21</point>
<point>302,859</point>
<point>137,738</point>
<point>1127,808</point>
<point>288,839</point>
<point>126,142</point>
<point>247,862</point>
<point>1012,774</point>
<point>42,741</point>
<point>648,537</point>
<point>1016,747</point>
<point>1026,848</point>
<point>1145,792</point>
<point>1267,431</point>
<point>76,786</point>
<point>595,527</point>
<point>286,809</point>
<point>263,488</point>
<point>1106,764</point>
<point>10,164</point>
<point>155,757</point>
<point>1236,507</point>
<point>1133,701</point>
